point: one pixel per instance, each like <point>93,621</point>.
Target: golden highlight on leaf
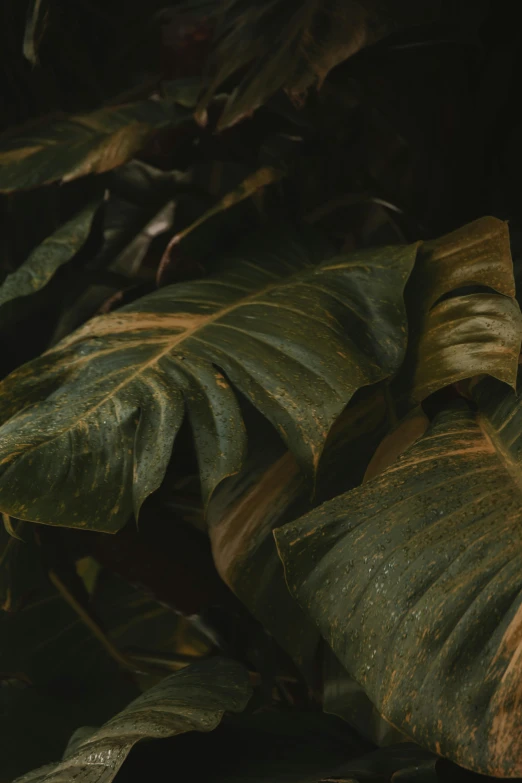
<point>88,428</point>
<point>414,579</point>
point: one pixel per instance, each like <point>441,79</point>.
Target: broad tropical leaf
<point>88,428</point>
<point>194,699</point>
<point>292,43</point>
<point>46,259</point>
<point>470,333</point>
<point>414,579</point>
<point>65,148</point>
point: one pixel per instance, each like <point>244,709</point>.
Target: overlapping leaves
<point>463,315</point>
<point>414,580</point>
<point>89,426</point>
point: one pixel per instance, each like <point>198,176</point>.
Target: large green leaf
<point>45,260</point>
<point>414,579</point>
<point>292,43</point>
<point>88,428</point>
<point>455,333</point>
<point>68,147</point>
<point>194,699</point>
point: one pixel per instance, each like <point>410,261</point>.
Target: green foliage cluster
<point>260,434</point>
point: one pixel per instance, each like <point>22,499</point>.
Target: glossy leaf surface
<point>88,428</point>
<point>414,580</point>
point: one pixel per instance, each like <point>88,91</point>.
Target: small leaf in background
<point>45,260</point>
<point>194,699</point>
<point>298,339</point>
<point>414,581</point>
<point>291,43</point>
<point>271,490</point>
<point>83,660</point>
<point>251,185</point>
<point>62,149</point>
<point>34,28</point>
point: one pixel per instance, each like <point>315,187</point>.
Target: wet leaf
<point>45,260</point>
<point>470,333</point>
<point>88,428</point>
<point>414,581</point>
<point>194,699</point>
<point>34,28</point>
<point>291,43</point>
<point>62,149</point>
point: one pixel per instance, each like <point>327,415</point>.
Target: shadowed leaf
<point>19,564</point>
<point>264,176</point>
<point>46,259</point>
<point>345,697</point>
<point>414,579</point>
<point>269,491</point>
<point>404,435</point>
<point>65,148</point>
<point>292,43</point>
<point>194,699</point>
<point>89,426</point>
<point>82,661</point>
